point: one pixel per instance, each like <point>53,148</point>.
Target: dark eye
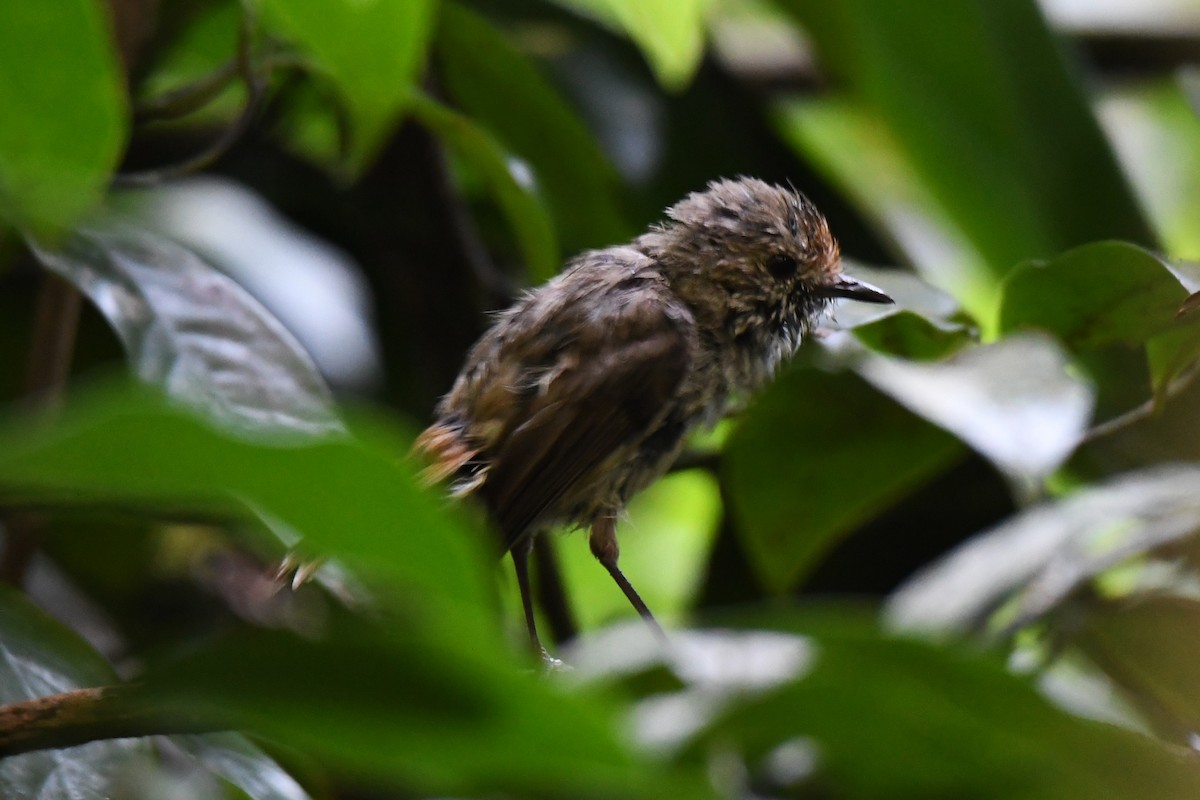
<point>781,266</point>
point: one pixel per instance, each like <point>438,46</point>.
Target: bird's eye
<point>781,266</point>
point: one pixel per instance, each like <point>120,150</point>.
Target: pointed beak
<point>862,291</point>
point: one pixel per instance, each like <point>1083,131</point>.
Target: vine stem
<point>54,328</point>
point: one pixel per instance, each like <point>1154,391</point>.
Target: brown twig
<point>86,715</point>
<point>1145,410</point>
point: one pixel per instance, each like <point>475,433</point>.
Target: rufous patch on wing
<point>447,451</point>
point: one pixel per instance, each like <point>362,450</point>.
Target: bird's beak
<point>846,286</point>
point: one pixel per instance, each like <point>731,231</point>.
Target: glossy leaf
<point>990,115</point>
<point>850,452</point>
<point>509,179</point>
<point>1047,552</point>
<point>40,657</point>
<point>504,91</point>
<point>881,717</point>
<point>1014,401</point>
<point>820,703</point>
<point>63,104</point>
<point>669,32</point>
<point>190,329</point>
<point>235,760</point>
<point>372,52</point>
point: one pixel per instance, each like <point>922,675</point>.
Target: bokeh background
<point>951,552</point>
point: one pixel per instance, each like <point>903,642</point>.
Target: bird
<point>585,390</point>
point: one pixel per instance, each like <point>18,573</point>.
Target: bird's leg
<point>520,558</point>
<point>603,541</point>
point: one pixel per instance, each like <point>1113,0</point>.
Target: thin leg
<point>520,558</point>
<point>551,594</point>
<point>603,541</point>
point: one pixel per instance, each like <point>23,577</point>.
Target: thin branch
<point>256,88</point>
<point>1144,411</point>
<point>187,98</point>
<point>86,715</point>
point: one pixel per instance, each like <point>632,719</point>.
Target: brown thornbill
<point>585,390</point>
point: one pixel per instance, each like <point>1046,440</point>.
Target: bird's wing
<point>606,389</point>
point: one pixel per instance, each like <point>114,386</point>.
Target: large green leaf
<point>818,454</point>
<point>63,104</point>
<point>989,113</point>
<point>504,91</point>
<point>885,718</point>
<point>373,53</point>
<point>808,703</point>
<point>1107,301</point>
<point>1093,296</point>
<point>381,704</point>
<point>350,497</point>
<point>1015,401</point>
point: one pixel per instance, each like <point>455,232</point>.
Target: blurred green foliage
<point>1000,467</point>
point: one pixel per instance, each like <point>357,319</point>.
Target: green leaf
<point>880,717</point>
<point>820,703</point>
<point>372,51</point>
<point>850,453</point>
<point>409,711</point>
<point>502,90</point>
<point>62,100</point>
<point>990,115</point>
<point>1097,295</point>
<point>507,177</point>
<point>1102,300</point>
<point>350,498</point>
<point>669,32</point>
